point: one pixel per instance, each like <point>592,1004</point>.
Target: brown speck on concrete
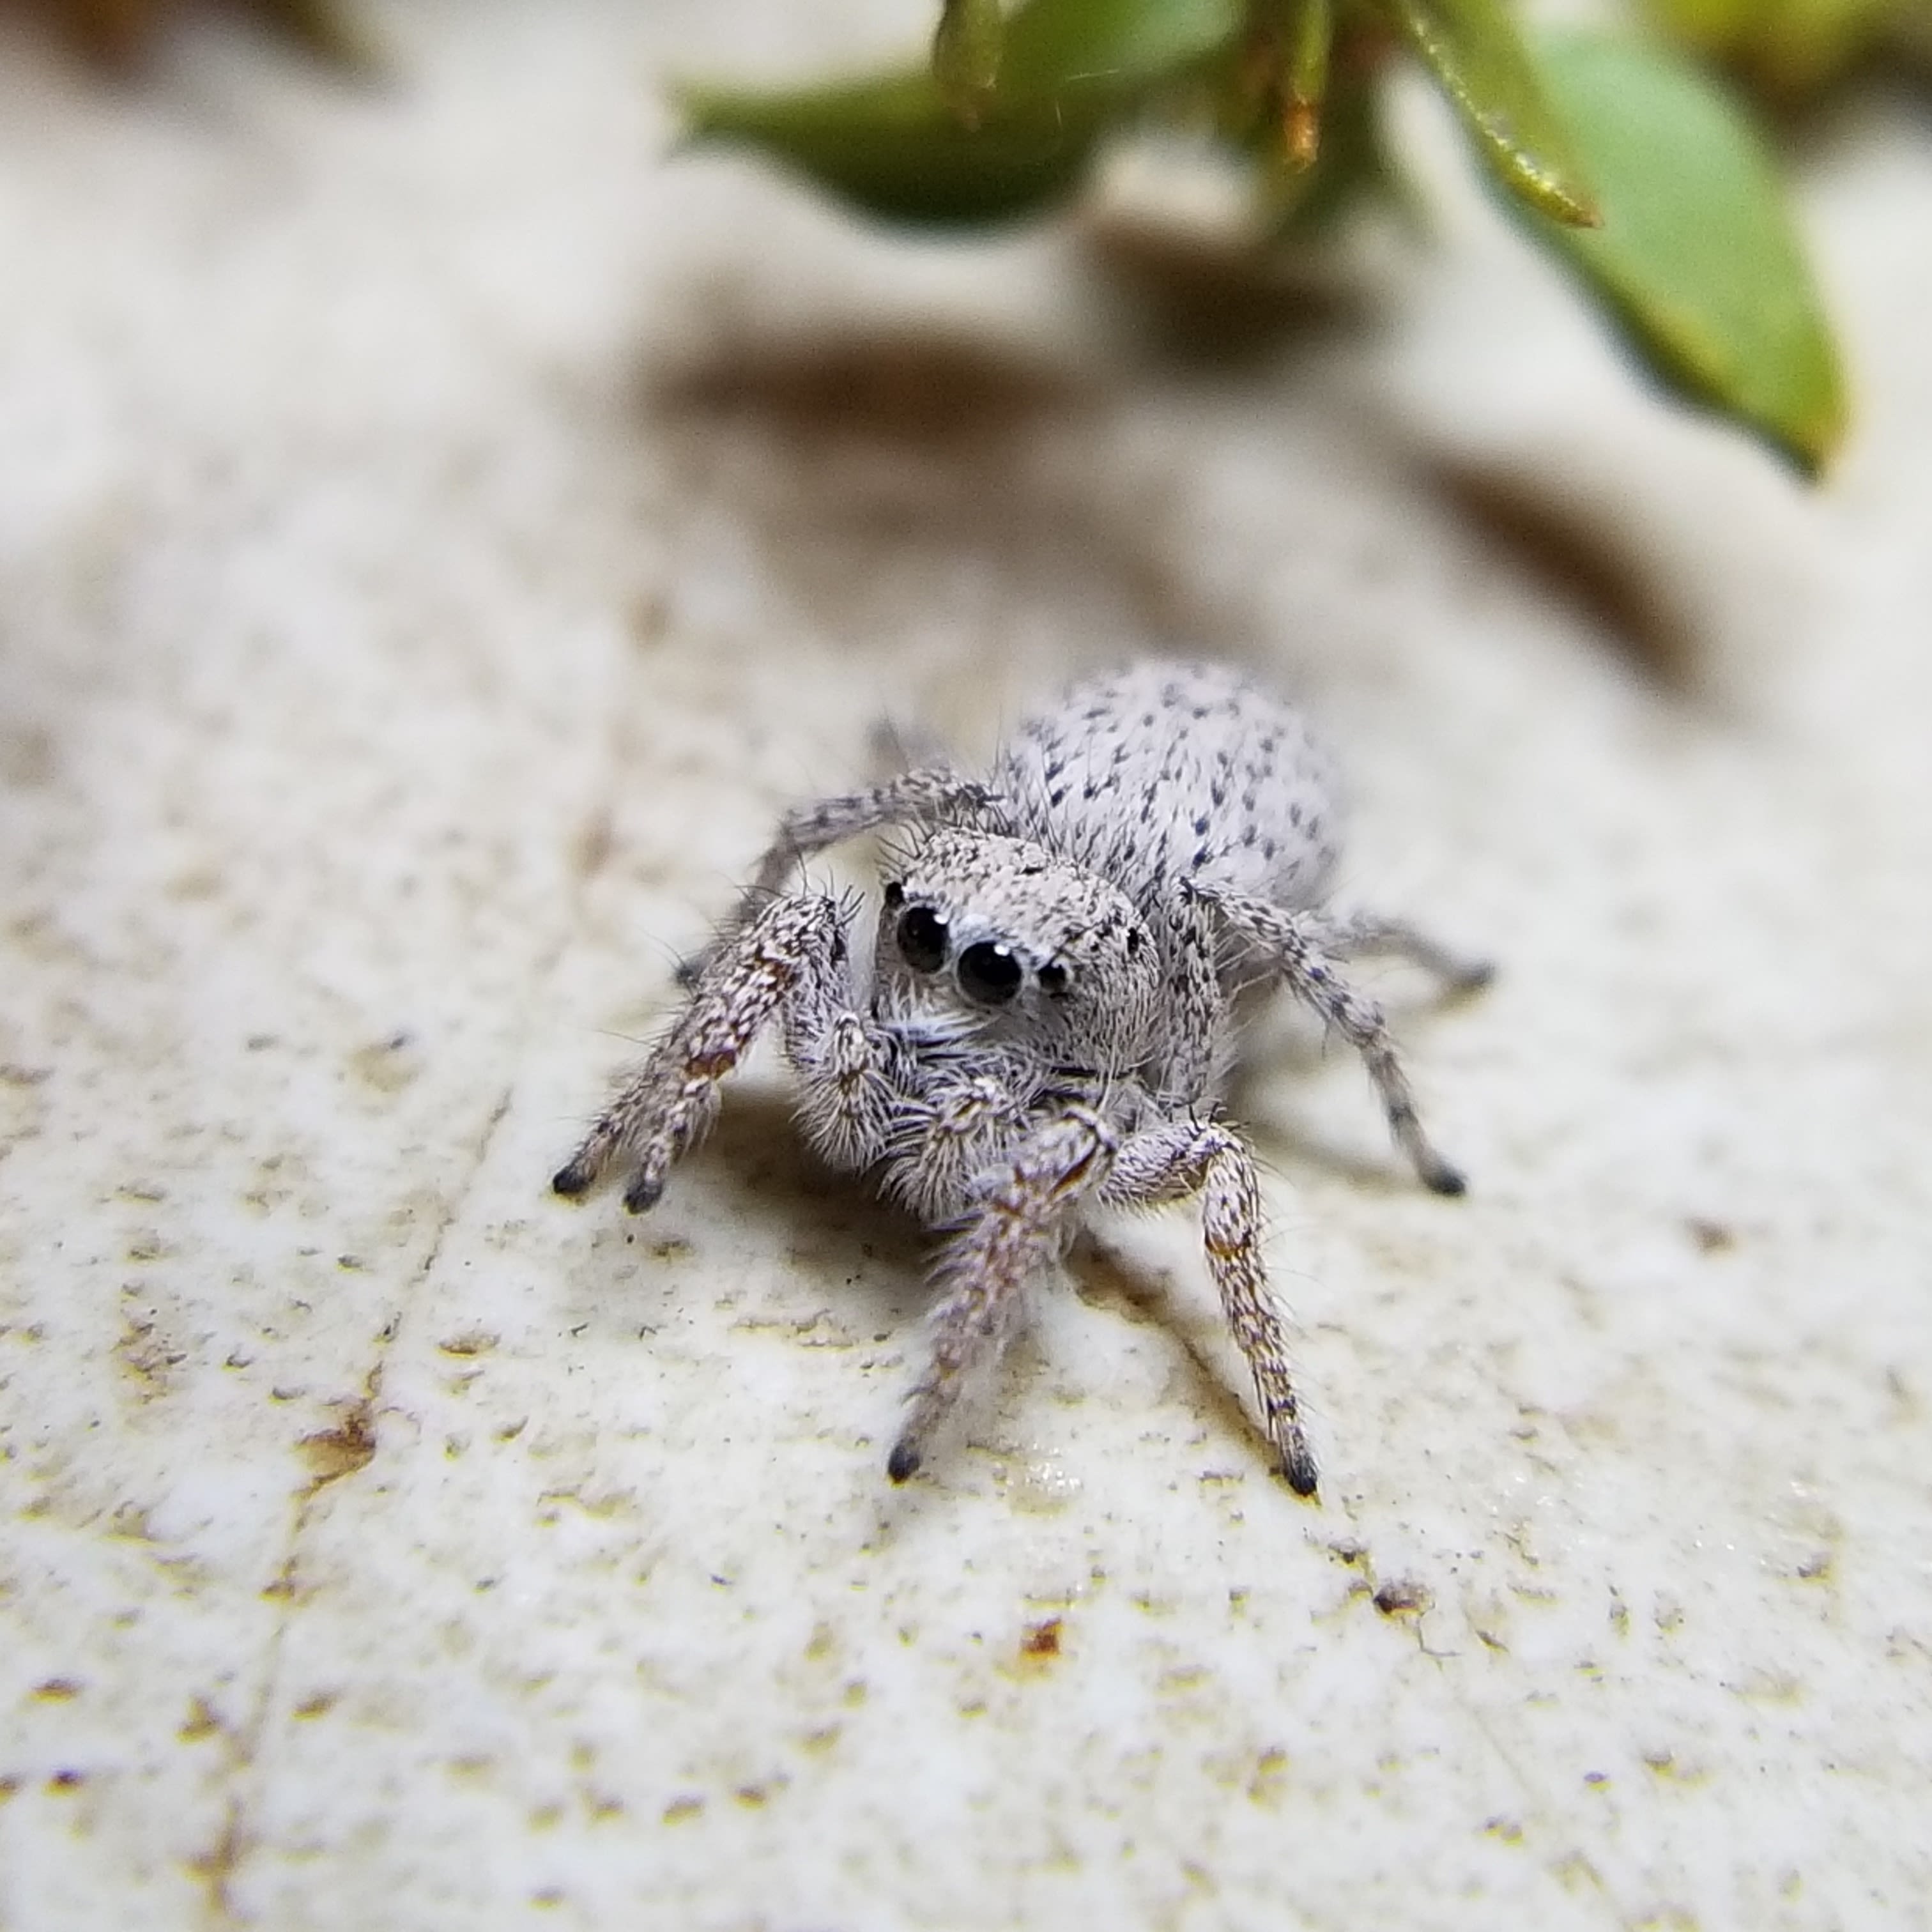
<point>385,1066</point>
<point>594,844</point>
<point>333,1453</point>
<point>1269,1774</point>
<point>201,1722</point>
<point>58,1690</point>
<point>1403,1596</point>
<point>680,1811</point>
<point>1039,1643</point>
<point>8,1786</point>
<point>474,1343</point>
<point>1710,1238</point>
<point>318,1704</point>
<point>66,1780</point>
<point>146,1353</point>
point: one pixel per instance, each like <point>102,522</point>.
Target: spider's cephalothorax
<point>1046,1021</point>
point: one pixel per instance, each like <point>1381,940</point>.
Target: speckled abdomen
<point>1171,771</point>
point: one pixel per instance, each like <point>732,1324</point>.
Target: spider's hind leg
<point>1358,933</point>
<point>1298,946</point>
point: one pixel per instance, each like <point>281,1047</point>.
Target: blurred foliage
<point>1789,53</point>
<point>120,34</point>
<point>1694,259</point>
<point>1654,190</point>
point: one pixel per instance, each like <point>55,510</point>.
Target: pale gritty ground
<point>437,535</point>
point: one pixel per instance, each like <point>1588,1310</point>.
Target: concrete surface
<point>437,533</point>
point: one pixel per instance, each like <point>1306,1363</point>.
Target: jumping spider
<point>1047,1019</point>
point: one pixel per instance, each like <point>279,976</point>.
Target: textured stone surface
<point>437,533</point>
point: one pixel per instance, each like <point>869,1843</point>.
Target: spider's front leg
<point>1013,1228</point>
<point>793,957</point>
<point>1294,944</point>
<point>1185,1157</point>
<point>931,791</point>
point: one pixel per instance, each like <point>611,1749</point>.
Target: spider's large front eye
<point>923,939</point>
<point>989,973</point>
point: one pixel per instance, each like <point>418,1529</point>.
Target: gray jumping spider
<point>1048,1018</point>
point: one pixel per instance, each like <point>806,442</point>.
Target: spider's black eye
<point>895,893</point>
<point>923,939</point>
<point>1053,978</point>
<point>989,973</point>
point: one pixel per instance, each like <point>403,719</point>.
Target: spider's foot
<point>1439,1177</point>
<point>645,1191</point>
<point>573,1177</point>
<point>1297,1465</point>
<point>903,1463</point>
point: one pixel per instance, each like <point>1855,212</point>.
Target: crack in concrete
<point>336,1456</point>
<point>340,1454</point>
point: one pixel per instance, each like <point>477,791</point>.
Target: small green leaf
<point>1697,260</point>
<point>1119,48</point>
<point>966,56</point>
<point>896,146</point>
<point>1787,49</point>
<point>1474,51</point>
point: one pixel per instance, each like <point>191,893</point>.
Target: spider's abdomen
<point>1169,772</point>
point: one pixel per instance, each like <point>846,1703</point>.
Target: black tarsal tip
<point>1446,1180</point>
<point>570,1181</point>
<point>903,1463</point>
<point>643,1193</point>
<point>1299,1472</point>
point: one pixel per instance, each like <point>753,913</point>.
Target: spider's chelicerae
<point>1046,1019</point>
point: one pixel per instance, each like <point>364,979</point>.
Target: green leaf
<point>1474,50</point>
<point>895,148</point>
<point>1697,261</point>
<point>895,145</point>
<point>1787,49</point>
<point>966,53</point>
<point>1119,48</point>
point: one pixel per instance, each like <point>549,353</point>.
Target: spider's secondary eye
<point>923,939</point>
<point>1053,978</point>
<point>989,973</point>
<point>895,893</point>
